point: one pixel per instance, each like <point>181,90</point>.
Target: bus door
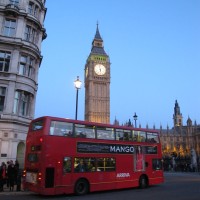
<point>157,167</point>
<point>139,159</point>
<point>66,170</point>
<point>61,174</point>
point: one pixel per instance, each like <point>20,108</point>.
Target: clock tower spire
<point>97,35</point>
<point>97,82</point>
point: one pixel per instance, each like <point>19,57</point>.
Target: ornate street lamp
<point>135,119</point>
<point>77,84</point>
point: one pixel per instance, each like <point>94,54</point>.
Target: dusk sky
<point>154,49</point>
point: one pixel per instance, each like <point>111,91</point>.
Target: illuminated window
<point>67,165</point>
<point>90,164</point>
<point>106,164</point>
<point>125,135</point>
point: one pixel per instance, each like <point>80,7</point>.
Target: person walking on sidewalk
<point>11,175</point>
<point>2,176</point>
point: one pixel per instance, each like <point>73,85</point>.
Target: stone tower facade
<point>97,83</point>
<point>178,119</point>
<point>21,35</point>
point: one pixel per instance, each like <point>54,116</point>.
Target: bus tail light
<point>24,173</point>
<point>41,139</point>
<point>39,176</point>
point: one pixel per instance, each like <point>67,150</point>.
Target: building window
<point>22,65</point>
<point>22,103</point>
<point>26,66</point>
<point>5,134</point>
<point>15,2</point>
<point>9,28</point>
<point>30,68</point>
<point>30,7</point>
<point>4,61</point>
<point>30,34</point>
<point>2,97</point>
<point>33,9</point>
<point>36,11</point>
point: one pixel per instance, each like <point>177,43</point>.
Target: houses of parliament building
<point>181,139</point>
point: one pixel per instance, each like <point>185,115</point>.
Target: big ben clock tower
<point>97,83</point>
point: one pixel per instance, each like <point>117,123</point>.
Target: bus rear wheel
<point>81,187</point>
<point>143,182</point>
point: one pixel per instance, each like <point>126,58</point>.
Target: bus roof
<point>95,124</point>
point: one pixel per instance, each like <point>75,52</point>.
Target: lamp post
<point>77,84</point>
<point>135,118</point>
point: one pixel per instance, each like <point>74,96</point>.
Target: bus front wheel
<point>143,182</point>
<point>81,187</point>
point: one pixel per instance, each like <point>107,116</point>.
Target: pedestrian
<point>1,180</point>
<point>7,180</point>
<point>16,170</point>
<point>2,176</point>
<point>18,182</point>
<point>11,175</point>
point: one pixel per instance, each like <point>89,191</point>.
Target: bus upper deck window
<point>105,133</point>
<point>139,136</point>
<point>38,125</point>
<point>84,131</point>
<point>152,137</point>
<point>61,128</point>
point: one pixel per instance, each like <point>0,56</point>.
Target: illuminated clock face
<point>100,69</point>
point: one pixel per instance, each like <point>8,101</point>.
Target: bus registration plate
<point>31,177</point>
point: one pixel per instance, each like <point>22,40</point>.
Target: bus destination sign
<point>87,147</point>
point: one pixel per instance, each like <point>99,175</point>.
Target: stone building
<point>21,34</point>
<point>181,139</point>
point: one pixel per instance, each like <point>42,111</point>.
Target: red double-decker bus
<point>66,156</point>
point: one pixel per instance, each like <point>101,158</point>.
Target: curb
<point>13,193</point>
<point>7,192</point>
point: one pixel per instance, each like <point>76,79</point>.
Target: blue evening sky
<point>154,49</point>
